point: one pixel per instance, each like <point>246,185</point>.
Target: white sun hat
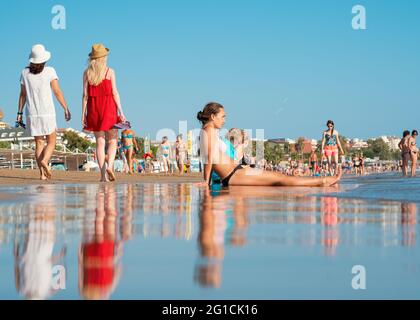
<point>39,54</point>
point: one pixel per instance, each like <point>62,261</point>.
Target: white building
<point>392,142</point>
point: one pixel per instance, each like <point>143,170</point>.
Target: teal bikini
<point>128,136</point>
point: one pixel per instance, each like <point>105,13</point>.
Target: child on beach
<point>101,109</point>
<point>38,83</point>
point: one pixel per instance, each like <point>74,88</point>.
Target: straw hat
<point>39,54</point>
<point>98,51</point>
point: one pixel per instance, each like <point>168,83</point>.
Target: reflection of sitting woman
<point>208,273</point>
<point>99,269</point>
<point>34,266</point>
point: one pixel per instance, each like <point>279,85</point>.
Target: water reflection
<point>100,251</point>
<point>34,256</point>
<point>100,219</point>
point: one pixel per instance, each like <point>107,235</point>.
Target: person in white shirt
<point>38,83</point>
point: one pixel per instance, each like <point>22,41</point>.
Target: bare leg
<point>39,155</point>
<point>405,166</point>
<point>253,177</point>
<point>111,138</point>
<point>335,164</point>
<point>47,153</point>
<point>100,153</point>
<point>129,156</point>
<point>413,164</point>
<point>330,169</point>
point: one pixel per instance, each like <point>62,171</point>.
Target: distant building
<point>309,146</point>
<point>357,144</point>
<point>3,125</point>
<point>392,142</point>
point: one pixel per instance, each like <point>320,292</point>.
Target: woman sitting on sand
<point>214,157</point>
<point>37,83</point>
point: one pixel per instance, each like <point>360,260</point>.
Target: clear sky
<point>283,66</point>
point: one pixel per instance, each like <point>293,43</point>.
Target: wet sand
<point>31,177</point>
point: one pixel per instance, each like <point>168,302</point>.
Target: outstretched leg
<point>255,177</point>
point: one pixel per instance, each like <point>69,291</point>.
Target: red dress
<point>101,107</point>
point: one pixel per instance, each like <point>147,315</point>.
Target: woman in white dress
<point>38,83</point>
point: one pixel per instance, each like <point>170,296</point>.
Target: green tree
<point>378,148</point>
<point>5,145</point>
<point>74,141</point>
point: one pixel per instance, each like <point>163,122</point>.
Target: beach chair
<point>156,167</point>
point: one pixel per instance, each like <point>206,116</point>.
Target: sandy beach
<point>23,177</point>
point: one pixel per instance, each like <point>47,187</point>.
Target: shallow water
<point>169,241</point>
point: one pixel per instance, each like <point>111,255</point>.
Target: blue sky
<point>282,66</point>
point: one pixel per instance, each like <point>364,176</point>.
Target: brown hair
<point>332,123</point>
<point>36,68</point>
<point>210,109</point>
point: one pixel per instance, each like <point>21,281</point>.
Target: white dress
<point>40,110</point>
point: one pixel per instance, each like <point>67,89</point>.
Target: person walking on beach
<point>405,151</point>
<point>412,144</point>
<point>166,155</point>
<point>180,153</point>
<point>37,85</point>
<point>214,157</point>
<point>330,145</point>
<point>313,160</point>
<point>101,109</point>
<point>129,145</point>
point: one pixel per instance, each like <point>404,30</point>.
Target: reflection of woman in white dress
<point>34,266</point>
<point>38,82</point>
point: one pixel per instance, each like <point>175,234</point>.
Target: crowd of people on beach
<point>225,160</point>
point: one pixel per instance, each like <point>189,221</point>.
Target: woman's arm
<point>339,143</point>
<point>323,143</point>
<point>21,103</point>
<point>401,144</point>
<point>135,141</point>
<point>60,97</point>
<point>208,135</point>
<point>116,95</point>
<point>84,100</point>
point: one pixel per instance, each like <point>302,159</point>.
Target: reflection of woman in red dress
<point>99,268</point>
<point>329,218</point>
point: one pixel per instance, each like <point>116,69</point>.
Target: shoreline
<point>19,177</point>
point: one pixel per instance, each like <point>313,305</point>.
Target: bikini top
<point>331,140</point>
<point>220,147</point>
<point>128,136</point>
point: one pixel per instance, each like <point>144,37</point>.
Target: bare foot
<point>110,174</point>
<point>46,170</point>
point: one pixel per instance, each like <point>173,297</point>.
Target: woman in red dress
<point>102,109</point>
